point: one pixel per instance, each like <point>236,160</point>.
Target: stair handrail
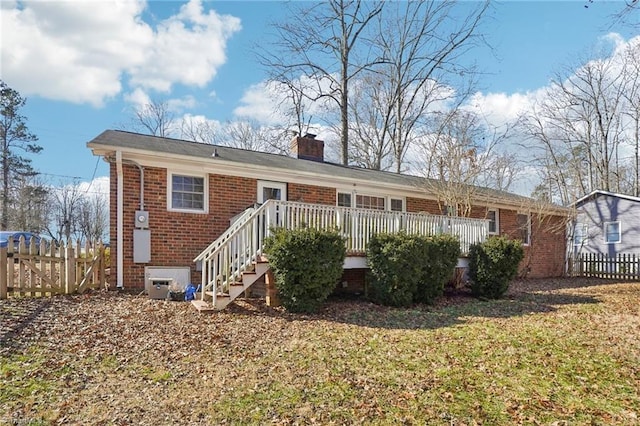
<point>211,267</point>
<point>240,220</point>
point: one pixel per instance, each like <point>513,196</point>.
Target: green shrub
<point>439,257</point>
<point>409,268</point>
<point>492,266</point>
<point>307,264</point>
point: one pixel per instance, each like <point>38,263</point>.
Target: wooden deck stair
<point>235,289</point>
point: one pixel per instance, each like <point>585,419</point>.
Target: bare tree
<point>154,118</point>
<point>65,204</point>
<point>461,157</point>
<point>29,209</point>
<point>422,43</point>
<point>243,134</point>
<point>14,137</point>
<point>320,42</point>
<point>578,129</point>
<point>93,217</point>
<point>631,110</point>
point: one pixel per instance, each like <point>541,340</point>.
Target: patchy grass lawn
<point>552,352</point>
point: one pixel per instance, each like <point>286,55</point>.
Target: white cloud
<point>270,103</point>
<point>82,51</point>
<point>98,186</point>
<point>500,108</point>
<point>138,98</point>
<point>260,102</point>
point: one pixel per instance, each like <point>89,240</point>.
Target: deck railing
<point>235,251</point>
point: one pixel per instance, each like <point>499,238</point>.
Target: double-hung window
<point>492,215</point>
<point>344,199</point>
<point>523,221</point>
<point>370,202</point>
<point>187,193</point>
<point>373,202</point>
<point>580,233</point>
<point>612,232</point>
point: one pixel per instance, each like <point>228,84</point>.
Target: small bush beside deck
<point>307,264</point>
<point>493,264</point>
<point>405,269</point>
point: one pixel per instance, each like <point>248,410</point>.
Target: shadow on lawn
<point>450,310</point>
<point>449,314</point>
<point>15,316</point>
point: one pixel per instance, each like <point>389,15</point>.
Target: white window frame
<point>606,234</point>
<point>402,200</point>
<point>282,186</point>
<point>387,199</point>
<point>497,221</point>
<point>584,235</point>
<point>350,194</point>
<point>205,181</point>
<point>525,243</point>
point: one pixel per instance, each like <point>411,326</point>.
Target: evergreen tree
<point>15,138</point>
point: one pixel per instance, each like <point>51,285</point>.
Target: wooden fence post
<point>70,269</point>
<point>3,272</point>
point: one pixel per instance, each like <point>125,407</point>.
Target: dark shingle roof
<point>123,139</point>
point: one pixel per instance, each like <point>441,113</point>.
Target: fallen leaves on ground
<point>551,352</point>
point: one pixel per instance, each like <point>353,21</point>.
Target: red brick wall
<point>352,281</point>
<point>311,194</point>
<point>545,255</point>
<point>418,205</point>
<point>176,238</point>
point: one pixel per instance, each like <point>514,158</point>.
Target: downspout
<point>141,169</point>
<point>119,221</point>
<point>120,212</point>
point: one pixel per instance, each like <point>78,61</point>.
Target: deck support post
<point>272,292</point>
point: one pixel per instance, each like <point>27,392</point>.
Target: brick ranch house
<point>178,207</point>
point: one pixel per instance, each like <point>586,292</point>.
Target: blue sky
<point>84,68</point>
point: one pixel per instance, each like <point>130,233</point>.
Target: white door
<point>271,191</point>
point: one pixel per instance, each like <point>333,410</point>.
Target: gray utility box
<point>159,288</point>
<point>159,280</point>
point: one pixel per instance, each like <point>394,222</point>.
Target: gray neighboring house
<point>607,223</point>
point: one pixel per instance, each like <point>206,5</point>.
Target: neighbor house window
<point>524,227</point>
<point>612,232</point>
<point>580,234</point>
<point>492,215</point>
<point>369,202</point>
<point>344,199</point>
<point>187,193</point>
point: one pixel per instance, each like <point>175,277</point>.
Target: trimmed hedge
<point>409,268</point>
<point>492,266</point>
<point>440,256</point>
<point>307,264</point>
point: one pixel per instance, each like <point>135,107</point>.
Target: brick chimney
<point>307,147</point>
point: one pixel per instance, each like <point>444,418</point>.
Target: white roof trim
<point>608,194</point>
